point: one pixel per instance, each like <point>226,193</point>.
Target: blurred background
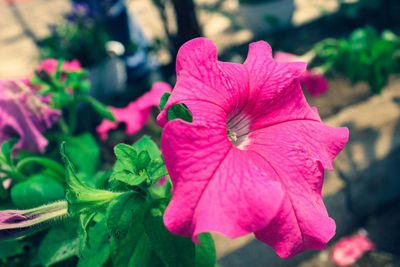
<point>353,51</point>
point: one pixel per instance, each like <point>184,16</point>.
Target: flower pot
<point>262,17</point>
<point>107,78</point>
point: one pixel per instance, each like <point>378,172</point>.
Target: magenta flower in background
<point>253,158</point>
<point>312,80</point>
<point>24,115</point>
<point>50,65</point>
<point>136,113</point>
<point>349,249</point>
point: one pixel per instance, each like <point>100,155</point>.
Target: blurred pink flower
<point>50,65</point>
<point>312,80</point>
<point>349,249</point>
<point>136,113</point>
<point>265,176</point>
<point>24,115</point>
<point>6,183</point>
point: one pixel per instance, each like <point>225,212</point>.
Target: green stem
<point>63,125</point>
<point>5,172</point>
<point>72,118</point>
<point>14,174</point>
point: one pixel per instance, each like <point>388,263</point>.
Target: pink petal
<point>201,77</point>
<point>24,115</point>
<point>49,65</point>
<point>136,113</point>
<point>298,151</point>
<point>314,82</point>
<point>274,93</point>
<point>73,65</point>
<point>206,168</point>
<point>285,57</point>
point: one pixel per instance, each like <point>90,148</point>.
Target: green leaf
<point>163,190</point>
<point>79,195</point>
<point>9,248</point>
<point>157,169</point>
<point>173,250</point>
<point>98,250</point>
<point>122,250</point>
<point>179,111</point>
<point>145,143</point>
<point>164,99</point>
<point>6,149</point>
<point>143,160</point>
<point>60,243</point>
<point>36,191</point>
<point>85,219</point>
<point>35,80</point>
<point>205,252</point>
<point>128,177</point>
<point>141,256</point>
<point>100,108</point>
<point>123,212</point>
<point>84,153</point>
<point>60,100</point>
<point>127,156</point>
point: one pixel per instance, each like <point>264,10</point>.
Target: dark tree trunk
<point>187,24</point>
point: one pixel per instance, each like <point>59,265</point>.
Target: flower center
<point>237,127</point>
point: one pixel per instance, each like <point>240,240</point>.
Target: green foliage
<point>59,244</point>
<point>83,152</point>
<point>83,37</point>
<point>37,190</point>
<point>167,246</point>
<point>176,111</point>
<point>123,212</point>
<point>106,227</point>
<point>100,108</point>
<point>85,219</point>
<point>9,248</point>
<point>364,56</point>
<point>164,99</point>
<point>66,89</point>
<point>179,111</point>
<point>98,250</point>
<point>80,196</point>
<point>205,252</point>
<point>139,163</point>
<point>6,149</point>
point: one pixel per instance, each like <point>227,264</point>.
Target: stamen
<point>238,129</point>
<point>232,136</point>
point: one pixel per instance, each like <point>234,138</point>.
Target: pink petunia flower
<point>136,113</point>
<point>50,65</point>
<point>349,249</point>
<point>312,80</point>
<point>24,115</point>
<point>265,176</point>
